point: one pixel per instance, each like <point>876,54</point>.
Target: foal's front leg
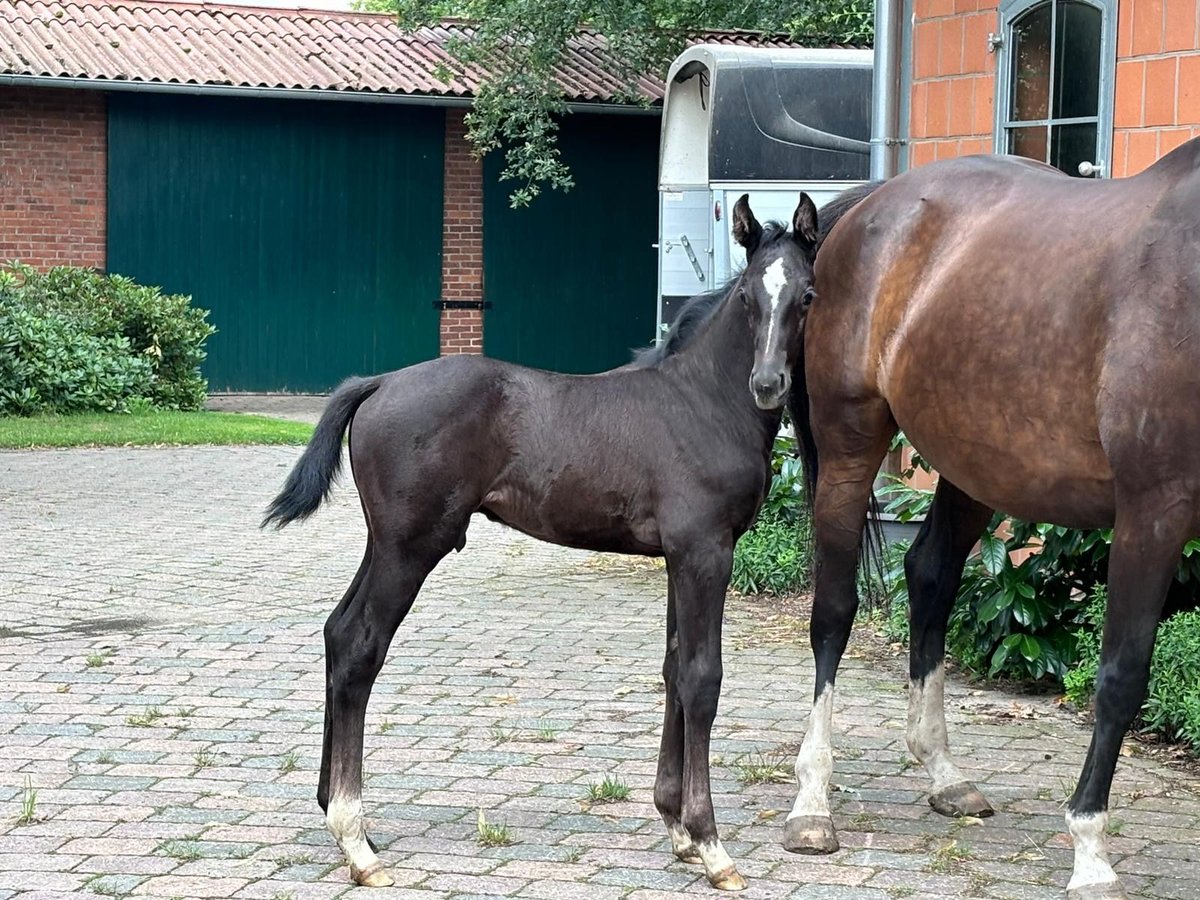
<point>668,785</point>
<point>699,572</point>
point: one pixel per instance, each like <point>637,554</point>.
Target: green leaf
<point>993,553</point>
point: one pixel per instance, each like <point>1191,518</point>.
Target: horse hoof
<point>959,800</point>
<point>810,834</point>
<point>374,876</point>
<point>728,880</point>
<point>1109,890</point>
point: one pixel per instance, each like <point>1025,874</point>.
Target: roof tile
<point>214,44</point>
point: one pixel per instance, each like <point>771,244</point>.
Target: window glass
<point>1031,65</point>
<point>1077,61</point>
<point>1071,145</point>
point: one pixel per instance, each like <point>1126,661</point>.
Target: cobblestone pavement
<point>297,407</point>
<point>161,690</point>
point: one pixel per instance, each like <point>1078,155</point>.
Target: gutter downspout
<point>885,91</point>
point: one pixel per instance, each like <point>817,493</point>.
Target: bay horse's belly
<point>1008,411</point>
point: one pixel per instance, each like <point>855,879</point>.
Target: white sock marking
<point>714,857</point>
<point>927,729</point>
<point>1091,850</point>
<point>681,841</point>
<point>345,822</point>
<point>814,762</point>
<point>774,281</point>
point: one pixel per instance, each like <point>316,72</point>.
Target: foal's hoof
<point>810,834</point>
<point>728,880</point>
<point>373,876</point>
<point>962,799</point>
<point>1109,890</point>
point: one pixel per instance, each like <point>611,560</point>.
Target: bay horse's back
<point>1007,315</point>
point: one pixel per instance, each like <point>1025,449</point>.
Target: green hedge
<point>773,556</point>
<point>74,340</point>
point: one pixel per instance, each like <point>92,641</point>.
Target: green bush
<point>49,363</point>
<point>773,556</point>
<point>1172,706</point>
<point>163,331</point>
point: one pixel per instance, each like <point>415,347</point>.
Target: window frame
<point>1010,12</point>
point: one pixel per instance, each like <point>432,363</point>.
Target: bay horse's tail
<point>311,480</point>
<point>872,551</point>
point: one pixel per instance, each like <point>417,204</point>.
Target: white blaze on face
<point>774,281</point>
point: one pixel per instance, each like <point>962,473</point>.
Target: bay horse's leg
<point>1148,538</point>
<point>850,460</point>
<point>668,784</point>
<point>700,570</point>
<point>356,642</point>
<point>933,569</point>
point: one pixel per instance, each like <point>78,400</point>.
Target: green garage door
<point>311,229</point>
<point>572,278</point>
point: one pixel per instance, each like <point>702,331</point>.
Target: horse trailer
<point>765,122</point>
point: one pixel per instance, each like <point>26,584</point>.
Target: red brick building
<point>1114,83</point>
<point>306,176</point>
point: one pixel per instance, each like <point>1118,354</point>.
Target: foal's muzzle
<point>770,386</point>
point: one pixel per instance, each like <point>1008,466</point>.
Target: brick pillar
<point>462,240</point>
<point>53,165</point>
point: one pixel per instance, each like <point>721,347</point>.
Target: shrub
<point>1021,620</point>
<point>1172,705</point>
<point>48,363</point>
<point>773,556</point>
<point>163,330</point>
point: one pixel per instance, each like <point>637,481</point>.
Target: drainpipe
<point>885,91</point>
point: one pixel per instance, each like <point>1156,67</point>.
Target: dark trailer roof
<point>767,115</point>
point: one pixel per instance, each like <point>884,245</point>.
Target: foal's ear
<point>746,230</point>
<point>804,222</point>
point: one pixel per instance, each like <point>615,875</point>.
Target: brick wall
<point>1157,103</point>
<point>462,240</point>
<point>953,79</point>
<point>53,156</point>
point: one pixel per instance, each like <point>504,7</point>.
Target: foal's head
<point>776,290</point>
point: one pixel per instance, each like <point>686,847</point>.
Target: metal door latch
<point>687,246</point>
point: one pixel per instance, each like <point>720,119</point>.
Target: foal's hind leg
<point>668,784</point>
<point>933,568</point>
<point>357,636</point>
<point>850,460</point>
<point>1148,538</point>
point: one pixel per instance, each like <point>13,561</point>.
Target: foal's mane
<point>699,309</point>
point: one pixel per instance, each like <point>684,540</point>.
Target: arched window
<point>1054,93</point>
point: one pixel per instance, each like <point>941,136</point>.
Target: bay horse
<point>667,456</point>
<point>1037,338</point>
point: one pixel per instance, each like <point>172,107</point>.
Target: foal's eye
<point>744,297</point>
<point>808,297</point>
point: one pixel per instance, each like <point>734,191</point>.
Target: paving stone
<point>218,627</point>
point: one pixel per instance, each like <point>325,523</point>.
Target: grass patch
<point>610,790</point>
<point>28,805</point>
<point>146,719</point>
<point>184,851</point>
<point>492,835</point>
<point>96,660</point>
<point>946,859</point>
<point>763,770</point>
<point>289,762</point>
<point>147,429</point>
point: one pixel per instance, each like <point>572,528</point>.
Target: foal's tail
<point>311,480</point>
<point>798,406</point>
